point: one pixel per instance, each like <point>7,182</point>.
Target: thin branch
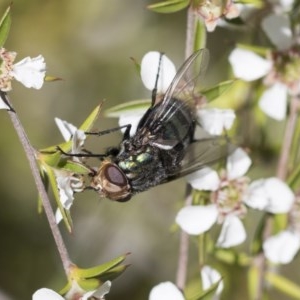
<point>183,253</point>
<point>282,168</point>
<point>31,156</point>
<point>181,273</point>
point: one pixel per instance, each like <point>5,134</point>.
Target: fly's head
<point>111,182</point>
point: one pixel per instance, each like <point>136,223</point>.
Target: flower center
<point>286,68</point>
<point>6,64</point>
<point>228,197</point>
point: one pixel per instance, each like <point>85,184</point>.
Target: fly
<point>163,147</point>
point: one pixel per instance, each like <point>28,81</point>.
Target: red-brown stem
<point>30,154</point>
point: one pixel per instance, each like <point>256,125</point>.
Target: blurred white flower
<point>209,277</point>
<point>166,291</point>
<point>133,118</point>
<point>48,294</point>
<point>280,70</point>
<point>271,195</point>
<point>151,63</point>
<point>282,247</point>
<point>226,197</point>
<point>215,120</point>
<point>212,11</point>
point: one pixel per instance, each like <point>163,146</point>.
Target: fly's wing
<point>201,153</point>
<point>182,88</point>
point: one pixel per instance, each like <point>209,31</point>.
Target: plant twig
<point>282,168</point>
<point>30,154</point>
<point>184,238</point>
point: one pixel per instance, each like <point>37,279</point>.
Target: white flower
<point>271,195</point>
<point>215,120</point>
<point>165,291</point>
<point>226,197</point>
<point>282,247</point>
<point>133,118</point>
<point>30,72</point>
<point>67,182</point>
<point>209,277</point>
<point>69,131</point>
<point>280,70</point>
<point>212,11</point>
<point>151,63</point>
<point>47,294</point>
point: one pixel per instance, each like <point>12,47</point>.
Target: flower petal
<point>149,69</point>
<point>30,71</point>
<point>65,128</point>
<point>238,163</point>
<point>46,294</point>
<point>99,293</point>
<point>209,277</point>
<point>232,234</point>
<point>197,219</point>
<point>271,195</point>
<point>131,118</point>
<point>164,291</point>
<point>273,101</point>
<point>278,29</point>
<point>215,120</point>
<point>282,248</point>
<point>247,65</point>
<point>205,179</point>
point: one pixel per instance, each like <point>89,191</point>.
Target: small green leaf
<point>208,294</point>
<point>89,285</point>
<point>128,107</point>
<point>218,90</point>
<point>52,78</point>
<point>101,269</point>
<point>283,284</point>
<point>90,120</point>
<point>73,166</point>
<point>262,51</point>
<point>200,36</point>
<point>170,6</point>
<point>113,273</point>
<point>294,179</point>
<point>5,23</point>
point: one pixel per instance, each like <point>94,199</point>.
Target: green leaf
<point>90,120</point>
<point>74,167</point>
<point>170,6</point>
<point>283,284</point>
<point>262,51</point>
<point>208,294</point>
<point>294,179</point>
<point>49,78</point>
<point>200,36</point>
<point>5,23</point>
<point>218,90</point>
<point>138,106</point>
<point>113,273</point>
<point>101,269</point>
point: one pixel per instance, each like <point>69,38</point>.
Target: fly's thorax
<point>111,182</point>
<point>134,162</point>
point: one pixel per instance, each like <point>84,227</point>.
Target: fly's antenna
<point>154,91</point>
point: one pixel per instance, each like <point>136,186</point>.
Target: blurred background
<point>89,45</point>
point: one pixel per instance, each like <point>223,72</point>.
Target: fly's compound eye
<point>111,182</point>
